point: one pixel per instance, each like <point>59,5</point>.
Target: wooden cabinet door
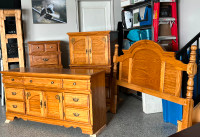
<point>34,103</point>
<point>53,104</point>
<point>78,50</point>
<point>98,50</point>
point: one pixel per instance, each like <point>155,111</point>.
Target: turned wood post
<point>114,82</point>
<point>191,71</point>
<point>189,103</point>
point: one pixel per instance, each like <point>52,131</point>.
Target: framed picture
<point>49,11</point>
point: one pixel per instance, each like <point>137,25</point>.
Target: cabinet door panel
<point>79,50</point>
<point>53,105</point>
<point>98,50</point>
<point>34,103</point>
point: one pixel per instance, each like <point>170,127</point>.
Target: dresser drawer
<point>77,115</point>
<point>51,47</point>
<point>37,48</point>
<point>15,106</point>
<point>43,82</point>
<point>77,100</point>
<point>12,80</point>
<point>48,60</point>
<point>14,94</point>
<point>75,84</point>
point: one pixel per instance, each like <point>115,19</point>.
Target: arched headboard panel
<point>146,64</point>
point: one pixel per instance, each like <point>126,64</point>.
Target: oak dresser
<point>65,97</point>
<point>95,50</point>
<point>45,54</point>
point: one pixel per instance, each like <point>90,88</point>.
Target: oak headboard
<point>147,68</point>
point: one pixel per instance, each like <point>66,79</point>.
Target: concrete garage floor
<point>130,121</point>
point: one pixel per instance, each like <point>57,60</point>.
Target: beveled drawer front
<point>75,84</point>
<point>51,47</point>
<point>14,93</point>
<point>43,82</point>
<point>12,80</point>
<point>37,48</point>
<point>77,115</point>
<point>15,106</point>
<point>48,60</point>
<point>77,100</point>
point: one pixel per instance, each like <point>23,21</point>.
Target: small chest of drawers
<point>57,96</point>
<point>45,54</point>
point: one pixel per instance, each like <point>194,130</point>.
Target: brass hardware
<point>14,106</point>
<point>76,114</point>
<point>51,47</point>
<point>45,59</point>
<point>38,47</point>
<point>12,79</point>
<point>75,99</point>
<point>73,40</point>
<point>31,81</point>
<point>45,105</point>
<point>14,93</point>
<point>28,94</point>
<point>41,104</point>
<point>90,51</point>
<point>52,82</point>
<point>57,97</point>
<point>86,51</point>
<point>74,83</point>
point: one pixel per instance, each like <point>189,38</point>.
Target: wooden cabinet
<point>45,54</point>
<point>65,97</point>
<point>94,50</point>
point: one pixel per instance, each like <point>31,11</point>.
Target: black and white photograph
<point>49,11</point>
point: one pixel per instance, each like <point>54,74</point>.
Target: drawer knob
<point>12,79</point>
<point>31,81</point>
<point>51,47</point>
<point>75,99</point>
<point>45,59</point>
<point>38,47</point>
<point>52,82</point>
<point>14,106</point>
<point>14,93</point>
<point>76,114</point>
<point>74,83</point>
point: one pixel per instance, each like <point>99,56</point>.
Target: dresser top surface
<point>52,71</point>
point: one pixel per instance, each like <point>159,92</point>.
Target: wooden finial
<point>191,71</point>
<point>115,58</point>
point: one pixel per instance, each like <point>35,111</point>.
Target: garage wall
<point>189,21</point>
<point>37,32</point>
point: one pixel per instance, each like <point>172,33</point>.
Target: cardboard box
<point>125,3</point>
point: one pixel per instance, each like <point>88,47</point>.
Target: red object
<point>174,28</point>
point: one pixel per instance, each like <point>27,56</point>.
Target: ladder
<point>166,20</point>
<point>15,35</point>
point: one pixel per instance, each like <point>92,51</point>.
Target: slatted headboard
<point>147,68</point>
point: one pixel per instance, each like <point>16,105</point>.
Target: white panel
<point>151,104</point>
<point>95,15</point>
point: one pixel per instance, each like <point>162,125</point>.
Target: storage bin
<point>146,34</point>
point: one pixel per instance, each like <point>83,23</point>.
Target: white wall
<point>37,32</point>
<point>189,20</point>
